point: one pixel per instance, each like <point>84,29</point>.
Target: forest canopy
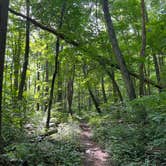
<point>71,66</point>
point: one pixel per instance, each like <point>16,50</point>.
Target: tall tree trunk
<point>117,51</point>
<point>16,66</point>
<point>16,60</point>
<point>56,67</point>
<point>70,95</point>
<point>70,90</point>
<point>38,85</point>
<point>103,90</point>
<point>4,4</point>
<point>157,69</point>
<point>59,95</point>
<point>142,54</point>
<point>79,99</point>
<point>26,56</point>
<point>47,81</point>
<point>11,79</point>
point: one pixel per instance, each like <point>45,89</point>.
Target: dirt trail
<point>94,155</point>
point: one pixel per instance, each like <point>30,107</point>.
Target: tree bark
<point>157,69</point>
<point>119,57</point>
<point>16,61</point>
<point>56,67</point>
<point>38,85</point>
<point>59,93</point>
<point>70,95</point>
<point>47,81</point>
<point>4,5</point>
<point>26,56</point>
<point>142,54</point>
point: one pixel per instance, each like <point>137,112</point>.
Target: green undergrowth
<point>45,153</point>
<point>134,135</point>
<point>60,149</point>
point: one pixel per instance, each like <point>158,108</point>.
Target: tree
<point>3,30</point>
<point>56,66</point>
<point>142,54</point>
<point>117,51</point>
<point>26,55</point>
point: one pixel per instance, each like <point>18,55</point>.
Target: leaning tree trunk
<point>55,69</point>
<point>117,51</point>
<point>26,56</point>
<point>4,4</point>
<point>142,54</point>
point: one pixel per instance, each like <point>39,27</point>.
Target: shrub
<point>138,135</point>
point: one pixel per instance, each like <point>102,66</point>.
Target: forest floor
<point>94,154</point>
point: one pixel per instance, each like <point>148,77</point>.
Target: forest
<point>82,82</point>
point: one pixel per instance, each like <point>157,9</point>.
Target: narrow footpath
<point>94,155</point>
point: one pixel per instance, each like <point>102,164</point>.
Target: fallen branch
<point>76,44</point>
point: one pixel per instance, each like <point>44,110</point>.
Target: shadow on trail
<point>94,155</point>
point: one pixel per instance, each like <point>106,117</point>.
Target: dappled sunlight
<point>94,154</point>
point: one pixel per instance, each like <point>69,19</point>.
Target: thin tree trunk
<point>16,60</point>
<point>70,90</point>
<point>46,80</point>
<point>117,51</point>
<point>142,54</point>
<point>70,95</point>
<point>157,69</point>
<point>56,67</point>
<point>26,56</point>
<point>3,30</point>
<point>103,90</point>
<point>38,85</point>
<point>11,79</point>
<point>59,95</point>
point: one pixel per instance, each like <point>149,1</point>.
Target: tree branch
<point>76,44</point>
<point>46,28</point>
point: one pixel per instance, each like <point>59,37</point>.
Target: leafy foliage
<point>137,137</point>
